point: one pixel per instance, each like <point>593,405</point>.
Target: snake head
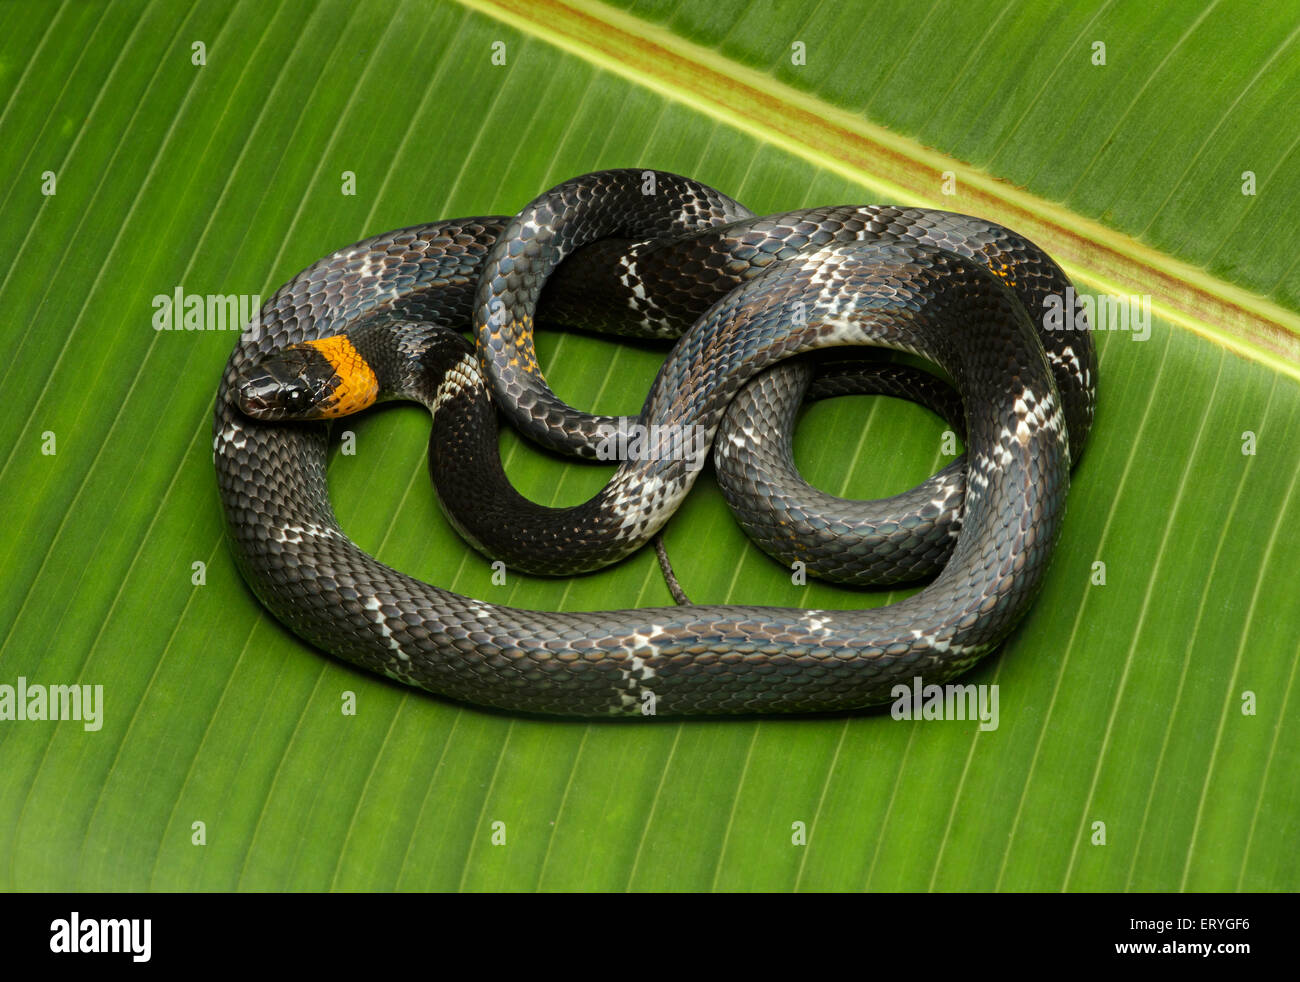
<point>320,379</point>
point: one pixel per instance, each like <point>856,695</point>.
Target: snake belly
<point>911,295</point>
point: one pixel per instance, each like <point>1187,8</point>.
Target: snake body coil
<point>958,291</point>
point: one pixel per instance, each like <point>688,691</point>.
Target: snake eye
<point>295,400</point>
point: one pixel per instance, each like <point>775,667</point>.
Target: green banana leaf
<point>1149,728</point>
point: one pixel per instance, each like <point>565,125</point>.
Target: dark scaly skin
<point>633,204</point>
<point>683,276</point>
<point>868,543</point>
<point>898,539</point>
<point>714,659</point>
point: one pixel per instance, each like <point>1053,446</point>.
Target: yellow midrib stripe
<point>899,170</point>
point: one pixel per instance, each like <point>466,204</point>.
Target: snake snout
<point>257,396</point>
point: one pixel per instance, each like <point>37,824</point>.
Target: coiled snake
<point>647,252</point>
